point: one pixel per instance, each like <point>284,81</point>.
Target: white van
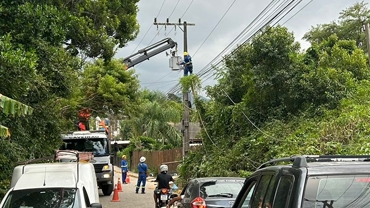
<point>57,185</point>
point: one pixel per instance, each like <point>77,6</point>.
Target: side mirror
<point>95,205</point>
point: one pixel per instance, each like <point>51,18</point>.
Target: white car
<point>57,185</point>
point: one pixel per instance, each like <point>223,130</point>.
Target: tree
<point>335,67</point>
<point>259,81</point>
<point>274,101</point>
<point>349,26</point>
<point>107,88</point>
<point>154,121</point>
<point>93,28</point>
<point>39,67</point>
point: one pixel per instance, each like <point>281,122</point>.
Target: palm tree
<point>154,121</point>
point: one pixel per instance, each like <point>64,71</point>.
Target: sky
<point>217,24</point>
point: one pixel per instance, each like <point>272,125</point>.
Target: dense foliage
<point>274,100</point>
<point>44,46</point>
<point>153,128</point>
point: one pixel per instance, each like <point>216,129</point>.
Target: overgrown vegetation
<point>272,99</point>
<point>44,46</point>
<point>275,100</point>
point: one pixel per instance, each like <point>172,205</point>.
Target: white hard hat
<point>142,159</point>
<point>163,168</point>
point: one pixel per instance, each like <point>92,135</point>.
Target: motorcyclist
<point>163,180</point>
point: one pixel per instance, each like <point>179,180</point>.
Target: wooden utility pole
<point>185,96</point>
<point>367,32</point>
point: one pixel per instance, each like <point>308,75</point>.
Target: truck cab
<point>98,143</point>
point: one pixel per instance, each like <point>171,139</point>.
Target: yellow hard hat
<point>186,53</point>
<point>123,156</point>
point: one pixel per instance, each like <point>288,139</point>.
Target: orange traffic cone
<point>128,178</point>
<point>115,195</point>
<point>119,185</point>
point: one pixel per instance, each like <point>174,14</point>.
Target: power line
<point>168,18</point>
<point>182,15</point>
<point>211,75</point>
<point>176,88</point>
<point>251,122</point>
<point>268,16</point>
<point>215,26</point>
<point>148,29</point>
<point>175,80</point>
<point>174,8</point>
<point>265,10</point>
<point>283,8</point>
<point>298,12</point>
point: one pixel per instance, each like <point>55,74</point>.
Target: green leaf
<point>4,132</point>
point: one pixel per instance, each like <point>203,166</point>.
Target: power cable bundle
<point>271,15</point>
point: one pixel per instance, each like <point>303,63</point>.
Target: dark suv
<point>329,181</point>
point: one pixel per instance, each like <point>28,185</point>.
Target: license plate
<point>163,197</point>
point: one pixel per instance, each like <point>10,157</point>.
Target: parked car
<point>309,182</point>
<point>57,185</point>
<point>211,192</point>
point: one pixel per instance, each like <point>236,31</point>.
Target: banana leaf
<point>4,132</point>
<point>13,107</point>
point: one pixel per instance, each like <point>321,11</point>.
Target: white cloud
<point>155,73</point>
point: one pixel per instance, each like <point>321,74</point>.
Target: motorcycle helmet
<point>163,168</point>
<point>142,159</point>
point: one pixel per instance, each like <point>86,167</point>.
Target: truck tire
<point>107,189</point>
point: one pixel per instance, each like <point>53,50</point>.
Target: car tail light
<point>198,203</point>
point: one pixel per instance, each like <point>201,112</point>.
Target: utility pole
<point>185,96</point>
<point>367,32</point>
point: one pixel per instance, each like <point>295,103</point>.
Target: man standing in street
<point>143,173</point>
<point>124,168</point>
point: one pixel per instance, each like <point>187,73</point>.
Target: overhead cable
<point>271,15</point>
<point>148,29</point>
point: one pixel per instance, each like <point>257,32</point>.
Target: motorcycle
<point>164,196</point>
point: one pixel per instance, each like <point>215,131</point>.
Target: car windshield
<point>43,198</point>
<point>99,146</point>
<point>337,191</point>
<point>225,189</point>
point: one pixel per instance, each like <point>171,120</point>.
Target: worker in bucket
<point>187,63</point>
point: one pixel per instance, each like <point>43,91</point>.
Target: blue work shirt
<point>142,168</point>
<point>187,61</point>
<point>124,165</point>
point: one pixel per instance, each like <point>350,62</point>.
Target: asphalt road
<point>128,197</point>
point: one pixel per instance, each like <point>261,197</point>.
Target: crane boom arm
<point>149,52</point>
